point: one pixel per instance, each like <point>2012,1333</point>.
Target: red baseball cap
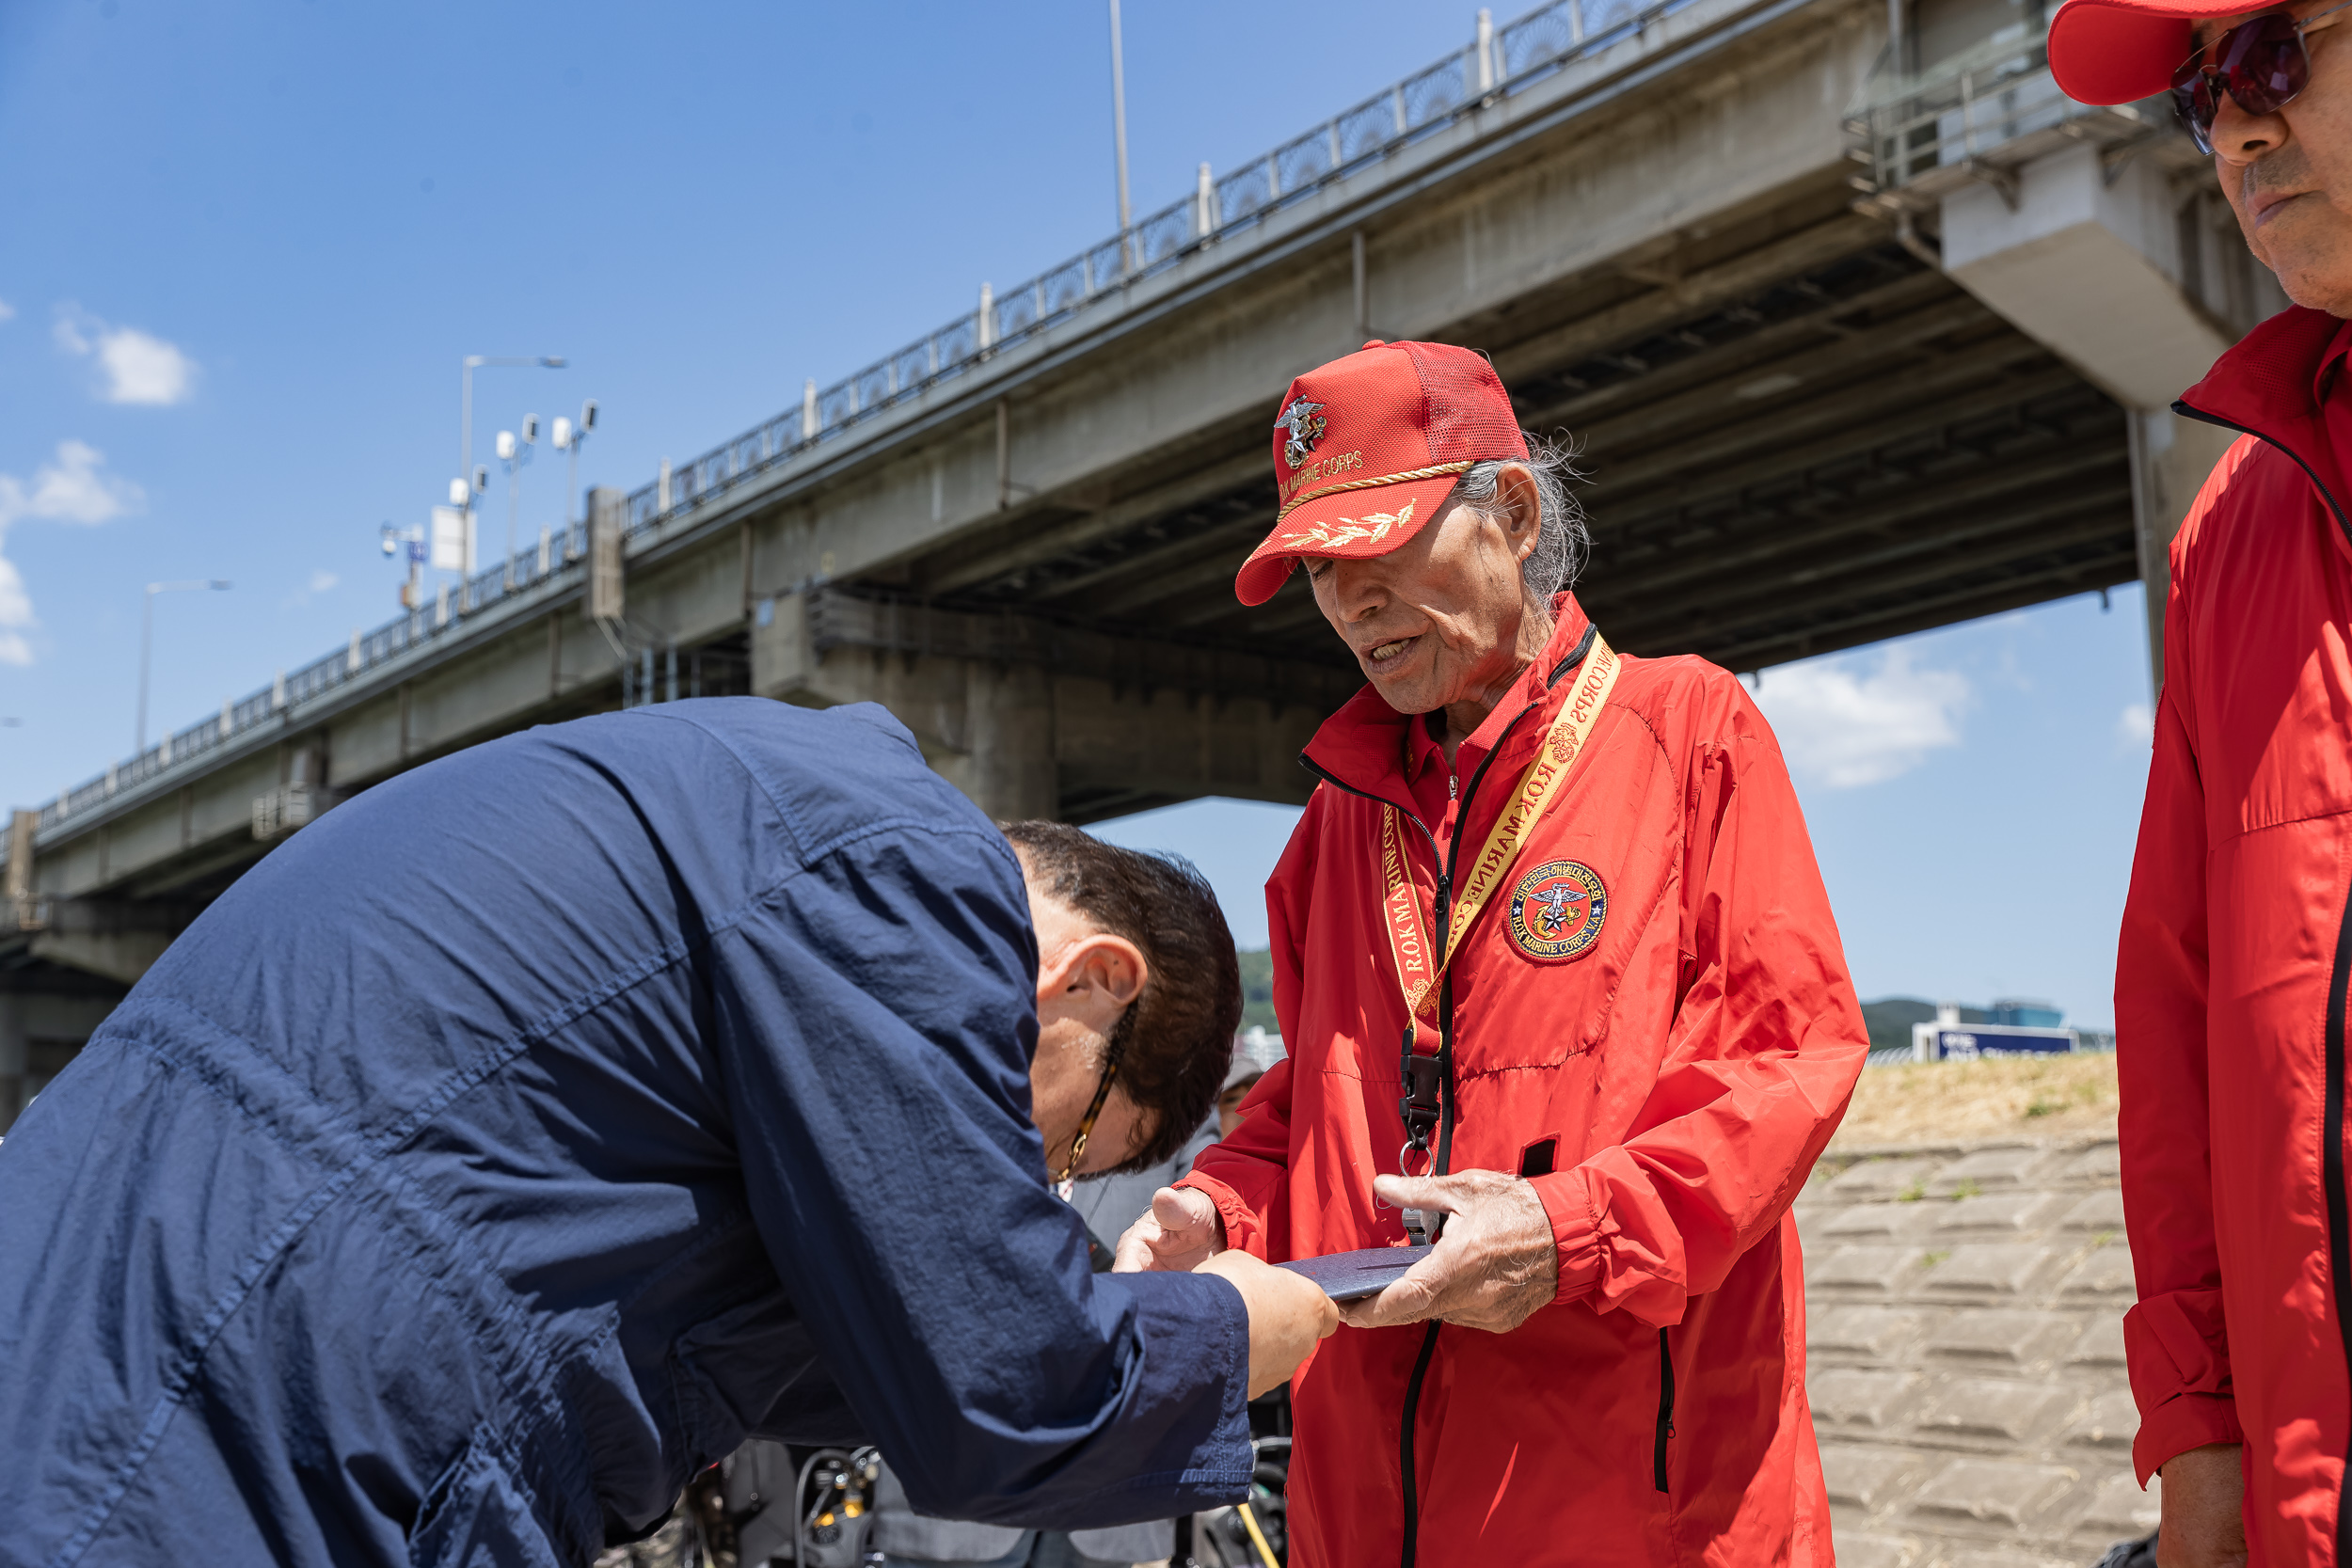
<point>2121,50</point>
<point>1366,448</point>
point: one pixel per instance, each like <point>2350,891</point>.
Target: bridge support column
<point>39,1033</point>
<point>1006,763</point>
<point>986,727</point>
<point>2133,274</point>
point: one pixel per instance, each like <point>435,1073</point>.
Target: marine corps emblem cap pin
<point>1305,422</point>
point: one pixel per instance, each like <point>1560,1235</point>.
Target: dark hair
<point>1175,1039</point>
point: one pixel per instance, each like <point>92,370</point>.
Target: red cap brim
<point>2121,50</point>
<point>1350,523</point>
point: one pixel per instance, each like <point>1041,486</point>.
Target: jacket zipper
<point>1446,860</point>
<point>2339,980</point>
<point>1665,1405</point>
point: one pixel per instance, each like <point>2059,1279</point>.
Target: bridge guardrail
<point>1976,116</point>
<point>1499,64</point>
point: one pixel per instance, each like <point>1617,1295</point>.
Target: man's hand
<point>1494,1266</point>
<point>1288,1313</point>
<point>2203,1524</point>
<point>1182,1231</point>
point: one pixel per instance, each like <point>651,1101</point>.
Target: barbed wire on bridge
<point>1496,66</point>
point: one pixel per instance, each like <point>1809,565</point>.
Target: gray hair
<point>1564,542</point>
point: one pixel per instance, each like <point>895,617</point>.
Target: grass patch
<point>1923,1102</point>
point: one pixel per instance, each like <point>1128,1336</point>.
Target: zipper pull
<point>1453,787</point>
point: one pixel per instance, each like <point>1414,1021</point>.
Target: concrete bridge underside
<point>1801,435</point>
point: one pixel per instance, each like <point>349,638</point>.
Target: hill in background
<point>1257,989</point>
<point>1890,1018</point>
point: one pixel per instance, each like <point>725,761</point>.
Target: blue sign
<point>1968,1043</point>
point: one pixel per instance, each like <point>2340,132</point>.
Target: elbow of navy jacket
<point>515,1139</point>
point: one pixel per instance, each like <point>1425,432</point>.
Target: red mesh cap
<point>1366,448</point>
<point>2121,50</point>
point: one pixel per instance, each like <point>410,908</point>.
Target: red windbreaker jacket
<point>1678,1078</point>
<point>2229,981</point>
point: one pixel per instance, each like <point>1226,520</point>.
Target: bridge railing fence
<point>1978,115</point>
<point>1499,63</point>
<point>1514,58</point>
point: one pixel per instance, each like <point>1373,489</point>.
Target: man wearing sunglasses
<point>2236,945</point>
<point>513,1141</point>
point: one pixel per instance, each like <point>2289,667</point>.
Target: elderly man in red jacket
<point>1561,985</point>
<point>2237,936</point>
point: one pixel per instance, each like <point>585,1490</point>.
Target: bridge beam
<point>2119,266</point>
<point>1036,718</point>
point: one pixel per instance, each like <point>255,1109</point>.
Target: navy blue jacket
<point>519,1137</point>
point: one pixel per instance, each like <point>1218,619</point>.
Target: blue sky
<point>247,245</point>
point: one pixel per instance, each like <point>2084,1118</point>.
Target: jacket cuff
<point>2180,1423</point>
<point>1243,1228</point>
<point>1568,1200</point>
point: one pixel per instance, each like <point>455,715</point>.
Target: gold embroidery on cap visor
<point>1333,532</point>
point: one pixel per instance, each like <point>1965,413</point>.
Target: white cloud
<point>16,615</point>
<point>71,489</point>
<point>7,311</point>
<point>2137,723</point>
<point>138,367</point>
<point>1849,725</point>
<point>322,581</point>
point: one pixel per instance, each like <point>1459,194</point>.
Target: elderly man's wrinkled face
<point>1443,618</point>
<point>2288,175</point>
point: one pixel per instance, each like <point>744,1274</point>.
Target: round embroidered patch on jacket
<point>1556,911</point>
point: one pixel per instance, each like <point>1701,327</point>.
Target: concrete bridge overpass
<point>1812,305</point>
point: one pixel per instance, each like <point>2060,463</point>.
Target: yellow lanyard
<point>1418,969</point>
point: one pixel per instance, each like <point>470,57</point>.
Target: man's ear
<point>1107,965</point>
<point>1519,508</point>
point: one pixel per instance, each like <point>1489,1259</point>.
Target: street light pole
<point>147,641</point>
<point>1118,134</point>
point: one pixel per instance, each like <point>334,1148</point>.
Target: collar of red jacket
<point>1363,743</point>
<point>2277,382</point>
<point>2278,373</point>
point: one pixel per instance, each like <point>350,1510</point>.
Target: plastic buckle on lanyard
<point>1421,1105</point>
<point>1418,1105</point>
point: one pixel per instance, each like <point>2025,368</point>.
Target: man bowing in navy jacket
<point>516,1139</point>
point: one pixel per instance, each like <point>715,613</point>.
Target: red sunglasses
<point>2263,64</point>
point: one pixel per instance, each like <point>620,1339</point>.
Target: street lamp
<point>1119,139</point>
<point>147,641</point>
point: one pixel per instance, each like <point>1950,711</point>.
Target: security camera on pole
<point>514,451</point>
<point>568,437</point>
<point>414,541</point>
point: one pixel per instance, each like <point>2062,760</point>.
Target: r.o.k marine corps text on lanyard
<point>1418,968</point>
